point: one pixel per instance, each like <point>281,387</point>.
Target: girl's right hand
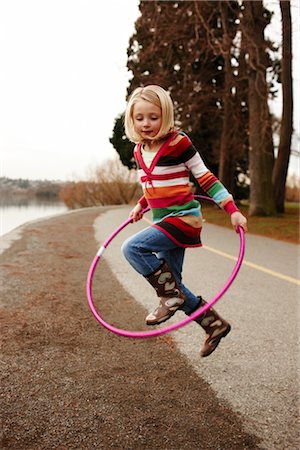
<point>136,213</point>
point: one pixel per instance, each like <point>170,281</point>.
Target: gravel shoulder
<point>69,383</point>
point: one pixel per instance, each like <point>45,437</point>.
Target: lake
<point>15,214</point>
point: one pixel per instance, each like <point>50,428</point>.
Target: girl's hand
<point>136,213</point>
<point>237,219</point>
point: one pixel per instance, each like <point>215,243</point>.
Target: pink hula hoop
<point>157,332</point>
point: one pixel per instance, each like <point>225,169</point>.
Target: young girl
<point>165,158</point>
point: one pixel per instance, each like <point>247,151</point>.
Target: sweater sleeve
<point>143,202</point>
<point>210,184</point>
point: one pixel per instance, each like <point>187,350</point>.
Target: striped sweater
<point>167,190</point>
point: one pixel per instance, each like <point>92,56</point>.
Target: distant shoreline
<point>7,239</point>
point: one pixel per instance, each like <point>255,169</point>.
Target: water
<point>15,214</point>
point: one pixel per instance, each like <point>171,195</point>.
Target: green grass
<point>284,227</point>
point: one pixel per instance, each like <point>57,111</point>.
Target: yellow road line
<point>255,266</point>
<point>247,263</point>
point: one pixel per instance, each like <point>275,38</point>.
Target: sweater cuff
<point>231,207</point>
<point>143,202</point>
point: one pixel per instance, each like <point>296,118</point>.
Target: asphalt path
<point>256,368</point>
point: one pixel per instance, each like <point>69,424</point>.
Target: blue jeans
<point>145,252</point>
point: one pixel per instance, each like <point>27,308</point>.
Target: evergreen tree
<point>202,53</point>
<point>167,49</point>
<point>178,45</point>
<point>122,145</point>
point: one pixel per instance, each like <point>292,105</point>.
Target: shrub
<point>292,190</point>
<point>110,184</point>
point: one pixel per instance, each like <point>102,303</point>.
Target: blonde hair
<point>158,97</point>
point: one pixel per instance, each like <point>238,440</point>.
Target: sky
<point>63,81</point>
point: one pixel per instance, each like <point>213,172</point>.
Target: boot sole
<point>160,321</point>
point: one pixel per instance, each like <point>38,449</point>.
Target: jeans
<point>145,252</point>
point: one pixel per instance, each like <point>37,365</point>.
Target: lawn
<point>284,227</point>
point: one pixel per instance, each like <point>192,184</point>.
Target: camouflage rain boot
<point>215,328</point>
<point>171,297</point>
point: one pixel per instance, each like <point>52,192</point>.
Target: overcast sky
<point>63,81</point>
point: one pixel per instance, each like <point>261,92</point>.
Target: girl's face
<point>147,119</point>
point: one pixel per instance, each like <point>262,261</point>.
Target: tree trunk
<point>286,130</point>
<point>261,149</point>
<point>226,157</point>
<point>261,159</point>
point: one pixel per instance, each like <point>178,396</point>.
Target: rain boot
<point>215,328</point>
<point>171,296</point>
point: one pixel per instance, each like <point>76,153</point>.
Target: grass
<point>284,227</point>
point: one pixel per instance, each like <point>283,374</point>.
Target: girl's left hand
<point>237,219</point>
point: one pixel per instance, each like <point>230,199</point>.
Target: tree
<point>170,48</point>
<point>122,145</point>
<point>227,157</point>
<point>234,139</point>
<point>286,129</point>
<point>211,56</point>
<point>261,149</point>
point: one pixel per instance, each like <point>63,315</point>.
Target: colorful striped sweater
<point>167,189</point>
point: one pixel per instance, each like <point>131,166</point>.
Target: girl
<point>165,157</point>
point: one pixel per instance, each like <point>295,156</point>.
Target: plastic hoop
<point>158,332</point>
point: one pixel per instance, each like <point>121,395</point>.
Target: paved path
<point>256,368</point>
